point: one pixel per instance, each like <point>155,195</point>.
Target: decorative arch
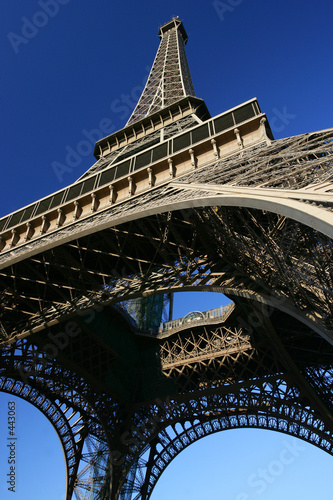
<point>172,441</point>
<point>199,431</point>
<point>295,205</point>
<point>257,226</point>
<point>25,373</point>
<point>71,439</point>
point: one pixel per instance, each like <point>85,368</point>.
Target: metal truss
<point>223,376</point>
<point>31,373</point>
<point>145,142</point>
<point>227,377</point>
<point>170,78</point>
<point>220,245</point>
<point>254,223</point>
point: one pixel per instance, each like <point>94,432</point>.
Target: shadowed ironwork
<point>177,201</point>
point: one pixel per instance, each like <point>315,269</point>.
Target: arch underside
<point>258,222</point>
<point>268,366</point>
<point>180,441</point>
<point>226,376</point>
<point>235,250</point>
<point>258,259</point>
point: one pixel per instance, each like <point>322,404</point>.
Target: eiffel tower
<point>177,200</point>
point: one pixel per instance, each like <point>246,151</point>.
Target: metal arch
<point>313,216</point>
<point>276,202</point>
<point>78,480</point>
<point>223,372</point>
<point>170,231</point>
<point>71,447</point>
<point>48,387</point>
<point>273,402</point>
<point>278,249</point>
<point>269,402</point>
<point>198,419</point>
<point>218,424</point>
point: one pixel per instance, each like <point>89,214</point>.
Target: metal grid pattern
<point>169,79</point>
<point>267,364</point>
<point>140,145</point>
<point>252,382</point>
<point>269,250</point>
<point>59,393</point>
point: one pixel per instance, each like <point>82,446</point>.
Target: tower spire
<point>169,79</point>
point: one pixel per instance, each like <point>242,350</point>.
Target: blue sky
<point>67,69</point>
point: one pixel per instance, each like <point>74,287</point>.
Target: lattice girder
<point>174,204</point>
<point>169,79</point>
<point>237,378</point>
<point>272,392</point>
<point>275,252</point>
<point>168,255</point>
<point>269,403</point>
<point>28,372</point>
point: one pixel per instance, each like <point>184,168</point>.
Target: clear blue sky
<point>86,61</point>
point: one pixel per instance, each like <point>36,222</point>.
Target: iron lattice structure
<point>170,77</point>
<point>177,201</point>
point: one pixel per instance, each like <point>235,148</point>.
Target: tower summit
<point>169,79</point>
<point>166,106</point>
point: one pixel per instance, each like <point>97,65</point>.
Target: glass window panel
<point>243,113</point>
<point>88,185</point>
<point>15,219</point>
<point>181,142</point>
<point>107,176</point>
<point>142,160</point>
<point>256,108</point>
<point>2,223</point>
<point>200,133</point>
<point>123,169</point>
<point>160,152</point>
<point>43,205</point>
<point>223,122</point>
<point>56,200</point>
<point>28,213</point>
<point>74,191</point>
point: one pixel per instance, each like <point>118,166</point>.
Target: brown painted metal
<point>236,213</point>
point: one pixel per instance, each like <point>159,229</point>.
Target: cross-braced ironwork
<point>169,79</point>
<point>177,201</point>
